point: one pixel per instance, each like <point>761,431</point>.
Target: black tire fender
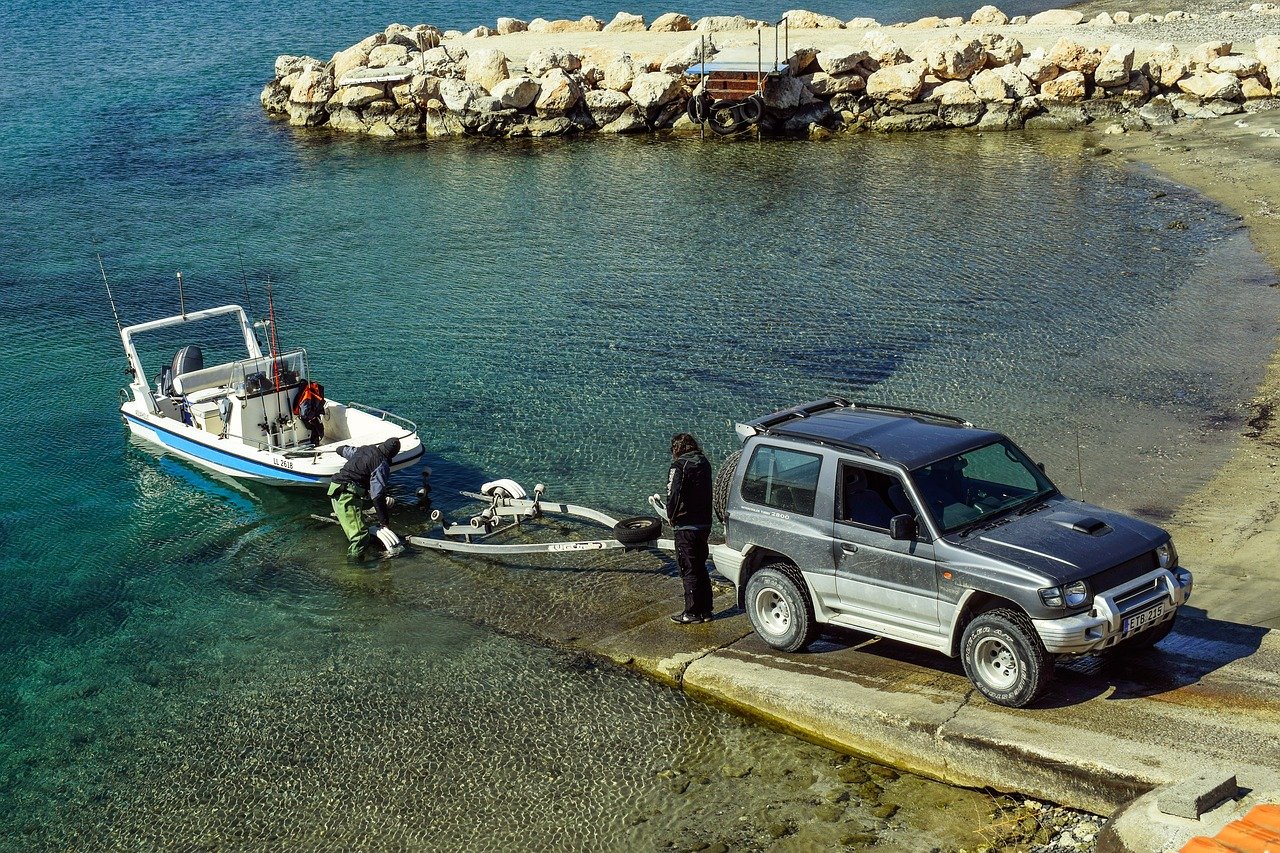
<point>1011,630</point>
<point>782,583</point>
<point>638,529</point>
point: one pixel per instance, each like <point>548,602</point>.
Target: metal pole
<point>182,302</point>
<point>702,125</point>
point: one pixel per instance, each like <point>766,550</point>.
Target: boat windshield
<point>260,375</point>
<point>981,485</point>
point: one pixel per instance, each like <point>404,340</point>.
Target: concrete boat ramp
<point>1108,731</point>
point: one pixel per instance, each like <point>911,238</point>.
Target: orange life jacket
<point>312,391</point>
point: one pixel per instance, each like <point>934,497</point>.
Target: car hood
<point>1065,540</point>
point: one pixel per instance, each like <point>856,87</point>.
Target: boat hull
<point>235,460</point>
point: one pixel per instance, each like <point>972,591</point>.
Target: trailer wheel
<point>724,482</point>
<point>638,530</point>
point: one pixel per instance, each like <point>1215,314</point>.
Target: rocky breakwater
<point>411,81</point>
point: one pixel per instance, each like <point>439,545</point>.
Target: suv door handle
<point>848,547</point>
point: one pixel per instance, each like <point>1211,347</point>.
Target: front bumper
<point>1104,624</point>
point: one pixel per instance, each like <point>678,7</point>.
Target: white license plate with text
<point>1145,619</point>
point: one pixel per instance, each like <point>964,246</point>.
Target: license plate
<point>1145,619</point>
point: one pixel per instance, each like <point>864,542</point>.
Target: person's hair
<point>682,443</point>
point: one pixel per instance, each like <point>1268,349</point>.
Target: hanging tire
<point>751,110</point>
<point>779,608</point>
<point>698,107</point>
<point>638,530</point>
<point>1004,658</point>
<point>723,482</point>
<point>724,119</point>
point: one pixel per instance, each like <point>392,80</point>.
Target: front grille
<point>1124,572</point>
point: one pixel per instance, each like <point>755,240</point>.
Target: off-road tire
<point>779,608</point>
<point>724,482</point>
<point>1004,658</point>
<point>638,530</point>
<point>1145,640</point>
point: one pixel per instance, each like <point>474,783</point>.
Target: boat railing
<point>407,425</point>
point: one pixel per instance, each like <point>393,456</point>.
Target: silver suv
<point>921,528</point>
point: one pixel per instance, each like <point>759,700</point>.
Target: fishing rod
<point>282,402</point>
<point>244,279</point>
<point>182,300</point>
<point>111,299</point>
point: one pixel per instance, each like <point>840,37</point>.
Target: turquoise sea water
<point>185,661</point>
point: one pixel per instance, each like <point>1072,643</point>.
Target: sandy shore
<point>1229,532</point>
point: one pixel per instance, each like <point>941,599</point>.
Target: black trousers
<point>691,556</point>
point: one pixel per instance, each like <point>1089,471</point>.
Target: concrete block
<point>1193,797</point>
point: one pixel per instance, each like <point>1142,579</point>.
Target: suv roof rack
<point>803,410</point>
<point>915,413</point>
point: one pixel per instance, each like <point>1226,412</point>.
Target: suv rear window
<point>782,479</point>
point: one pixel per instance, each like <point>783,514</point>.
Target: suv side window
<point>782,479</point>
<point>869,498</point>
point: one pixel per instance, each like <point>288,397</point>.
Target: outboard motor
<point>187,359</point>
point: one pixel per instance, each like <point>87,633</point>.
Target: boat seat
<point>218,376</point>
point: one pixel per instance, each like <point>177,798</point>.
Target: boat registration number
<point>1144,619</point>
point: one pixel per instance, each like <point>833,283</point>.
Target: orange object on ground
<point>1257,832</point>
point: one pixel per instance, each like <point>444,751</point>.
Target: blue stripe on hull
<point>225,459</point>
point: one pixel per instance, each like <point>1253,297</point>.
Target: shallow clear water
<point>183,659</point>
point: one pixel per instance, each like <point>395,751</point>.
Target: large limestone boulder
<point>655,89</point>
<point>1241,65</point>
<point>1253,88</point>
<point>543,60</point>
<point>952,92</point>
<point>518,93</point>
<point>417,90</point>
<point>480,32</point>
<point>1132,91</point>
<point>691,54</point>
<point>1001,49</point>
<point>460,96</point>
<point>883,49</point>
<point>287,64</point>
<point>1070,87</point>
<point>507,26</point>
<point>897,83</point>
<point>416,39</point>
<point>443,62</point>
<point>344,120</point>
<point>1205,53</point>
<point>988,16</point>
<point>992,88</point>
<point>1056,18</point>
<point>314,85</point>
<point>585,24</point>
<point>824,85</point>
<point>1268,48</point>
<point>719,23</point>
<point>1069,55</point>
<point>1115,67</point>
<point>388,54</point>
<point>629,122</point>
<point>625,22</point>
<point>802,19</point>
<point>487,68</point>
<point>842,59</point>
<point>786,93</point>
<point>619,73</point>
<point>1038,68</point>
<point>1165,66</point>
<point>346,61</point>
<point>953,58</point>
<point>559,93</point>
<point>275,98</point>
<point>354,97</point>
<point>861,24</point>
<point>1212,85</point>
<point>606,106</point>
<point>307,115</point>
<point>671,22</point>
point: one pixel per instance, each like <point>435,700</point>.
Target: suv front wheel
<point>1004,658</point>
<point>779,608</point>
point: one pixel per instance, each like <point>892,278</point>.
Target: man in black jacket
<point>365,475</point>
<point>689,511</point>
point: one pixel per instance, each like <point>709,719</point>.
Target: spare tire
<point>638,529</point>
<point>723,482</point>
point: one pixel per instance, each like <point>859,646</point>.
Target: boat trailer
<point>508,506</point>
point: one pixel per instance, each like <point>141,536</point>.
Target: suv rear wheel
<point>1004,658</point>
<point>779,608</point>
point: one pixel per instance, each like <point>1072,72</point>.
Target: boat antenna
<point>1079,468</point>
<point>275,347</point>
<point>182,301</point>
<point>114,313</point>
<point>244,279</point>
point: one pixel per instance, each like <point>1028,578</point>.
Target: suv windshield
<point>980,484</point>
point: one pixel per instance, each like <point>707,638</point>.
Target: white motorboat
<point>239,417</point>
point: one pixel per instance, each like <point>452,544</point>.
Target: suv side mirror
<point>1040,465</point>
<point>902,527</point>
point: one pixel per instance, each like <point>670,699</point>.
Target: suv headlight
<point>1076,593</point>
<point>1167,555</point>
<point>1052,597</point>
